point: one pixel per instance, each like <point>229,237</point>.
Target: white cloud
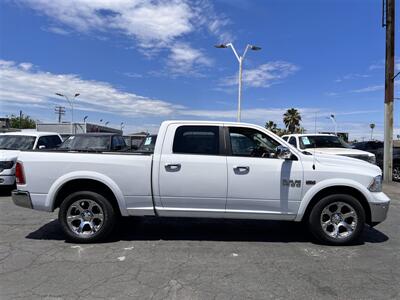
<point>352,76</point>
<point>153,24</point>
<point>372,88</point>
<point>264,75</point>
<point>20,85</point>
<point>185,59</point>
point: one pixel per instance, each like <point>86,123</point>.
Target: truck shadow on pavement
<point>169,229</point>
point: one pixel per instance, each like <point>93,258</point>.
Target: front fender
<point>57,185</point>
<point>328,183</point>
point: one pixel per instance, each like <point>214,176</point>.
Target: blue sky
<point>141,62</point>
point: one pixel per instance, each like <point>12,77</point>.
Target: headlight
<point>372,159</point>
<point>376,184</point>
<point>6,164</point>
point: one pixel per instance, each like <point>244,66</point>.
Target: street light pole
<point>72,108</point>
<point>240,60</point>
<point>332,117</point>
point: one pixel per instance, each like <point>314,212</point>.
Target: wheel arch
<point>311,200</point>
<point>95,182</point>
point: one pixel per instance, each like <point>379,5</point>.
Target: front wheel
<point>337,219</point>
<point>86,216</point>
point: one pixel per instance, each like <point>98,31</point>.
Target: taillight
<point>19,173</point>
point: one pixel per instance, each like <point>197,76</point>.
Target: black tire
<point>108,213</point>
<point>317,214</point>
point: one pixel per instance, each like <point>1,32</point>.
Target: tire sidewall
<point>315,216</point>
<point>108,211</point>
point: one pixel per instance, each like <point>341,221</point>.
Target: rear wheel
<point>86,216</point>
<point>337,219</point>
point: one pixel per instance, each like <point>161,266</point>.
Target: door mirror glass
<point>283,152</point>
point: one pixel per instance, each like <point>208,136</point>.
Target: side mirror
<point>42,147</point>
<point>283,152</point>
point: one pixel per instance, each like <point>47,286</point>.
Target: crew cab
<point>13,142</point>
<point>204,169</point>
<point>327,144</point>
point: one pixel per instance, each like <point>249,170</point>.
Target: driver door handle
<point>241,170</point>
<point>172,167</point>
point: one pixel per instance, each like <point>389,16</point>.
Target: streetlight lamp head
<point>76,95</point>
<point>221,46</point>
<point>59,94</point>
<point>255,48</point>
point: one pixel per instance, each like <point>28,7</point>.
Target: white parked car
<point>327,144</point>
<point>204,169</point>
<point>12,143</point>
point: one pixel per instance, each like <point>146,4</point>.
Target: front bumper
<point>379,207</point>
<point>21,198</point>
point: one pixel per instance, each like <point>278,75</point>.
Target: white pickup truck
<point>204,169</point>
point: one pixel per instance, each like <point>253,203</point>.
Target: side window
<point>43,142</point>
<point>196,140</point>
<point>252,143</point>
<point>285,138</point>
<point>55,141</point>
<point>118,143</point>
<point>293,141</point>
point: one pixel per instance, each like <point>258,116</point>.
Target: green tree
<point>271,126</point>
<point>292,119</point>
<point>23,123</point>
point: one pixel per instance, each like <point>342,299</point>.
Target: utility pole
<point>389,91</point>
<point>60,110</point>
<point>20,119</point>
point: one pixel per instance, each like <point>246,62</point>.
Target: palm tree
<point>292,119</point>
<point>372,126</point>
<point>271,125</point>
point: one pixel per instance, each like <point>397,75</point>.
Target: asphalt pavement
<point>195,259</point>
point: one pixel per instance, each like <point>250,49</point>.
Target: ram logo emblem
<point>291,183</point>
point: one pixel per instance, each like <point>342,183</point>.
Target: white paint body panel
<point>205,186</point>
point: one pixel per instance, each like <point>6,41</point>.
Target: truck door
<point>260,184</point>
<point>192,171</point>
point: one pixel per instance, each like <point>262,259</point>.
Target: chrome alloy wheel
<point>339,220</point>
<point>85,217</point>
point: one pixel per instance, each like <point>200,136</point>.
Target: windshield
<point>82,142</point>
<point>17,142</point>
<point>322,141</point>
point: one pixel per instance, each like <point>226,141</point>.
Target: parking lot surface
<point>195,259</point>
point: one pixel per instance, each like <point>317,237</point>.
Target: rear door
<point>192,171</point>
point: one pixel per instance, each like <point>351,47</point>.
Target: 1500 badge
<point>291,183</point>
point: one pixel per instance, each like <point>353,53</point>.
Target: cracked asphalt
<point>195,259</point>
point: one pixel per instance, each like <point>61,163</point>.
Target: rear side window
<point>196,140</point>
